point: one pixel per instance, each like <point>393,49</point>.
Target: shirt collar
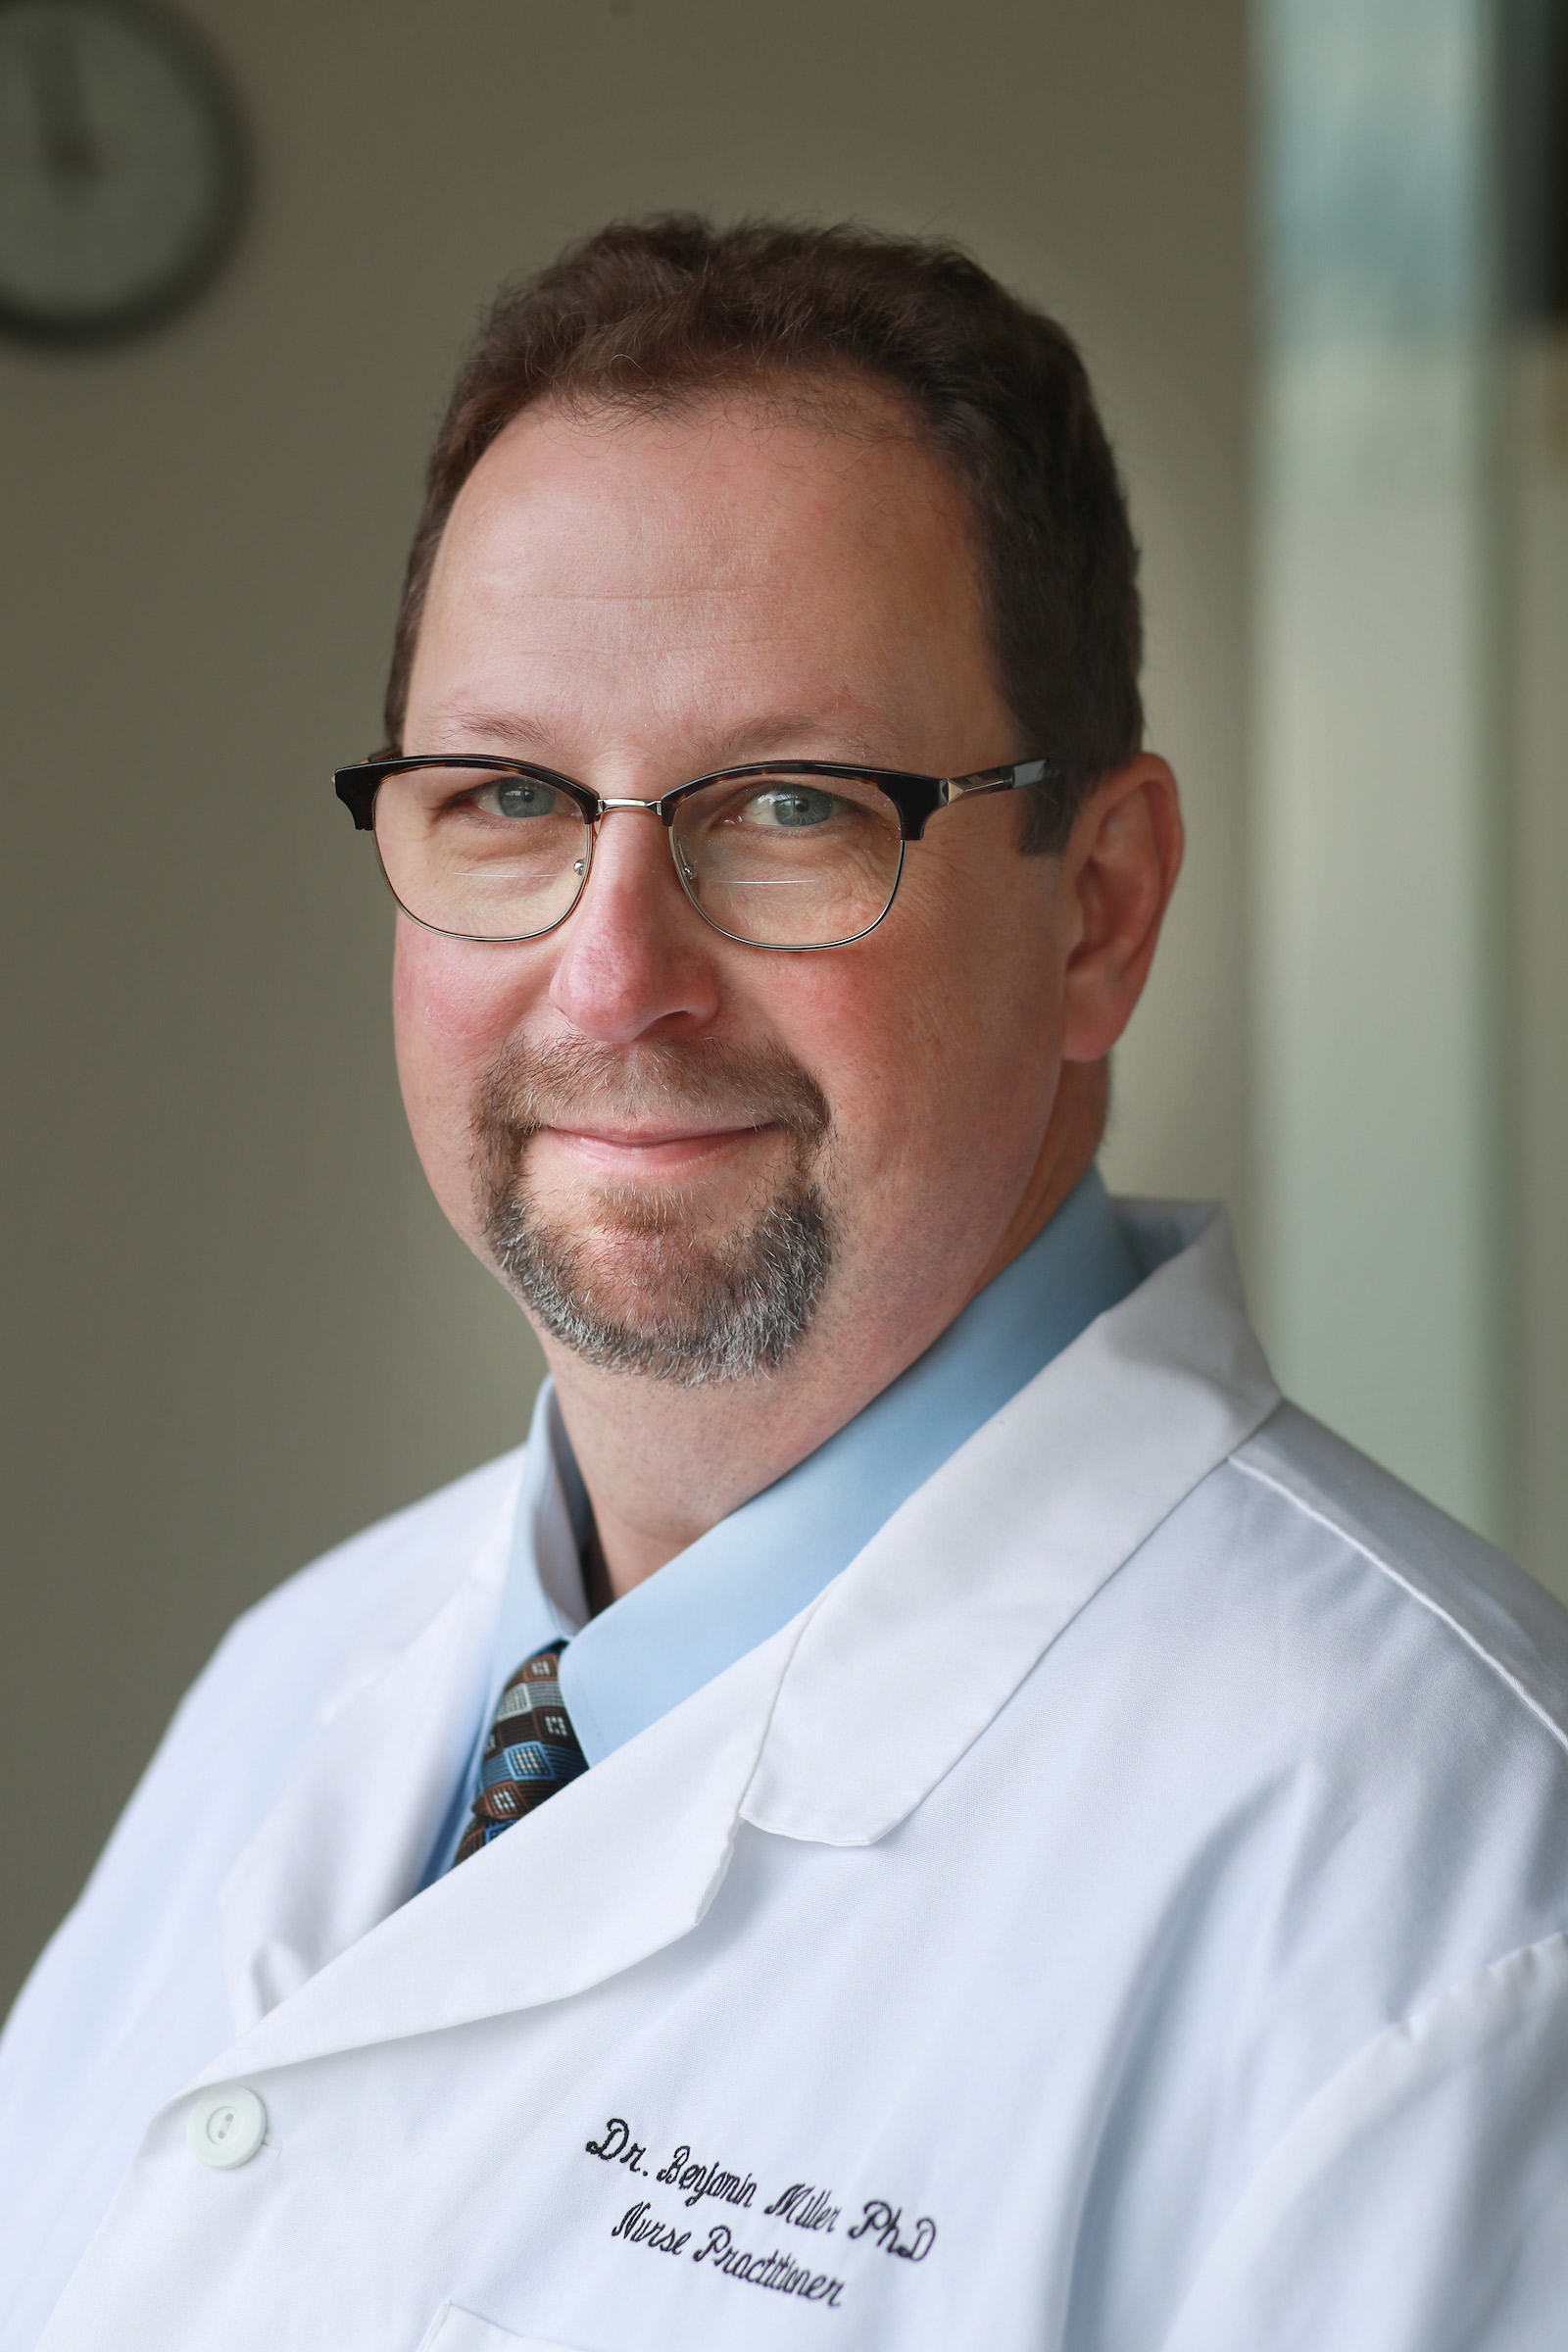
<point>761,1566</point>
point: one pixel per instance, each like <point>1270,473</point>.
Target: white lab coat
<point>1125,1913</point>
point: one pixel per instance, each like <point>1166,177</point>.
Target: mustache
<point>531,1086</point>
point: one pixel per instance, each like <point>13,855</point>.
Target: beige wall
<point>236,1328</point>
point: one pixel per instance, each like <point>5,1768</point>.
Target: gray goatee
<point>648,1289</point>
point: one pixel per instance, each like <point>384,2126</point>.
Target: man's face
<point>693,1158</point>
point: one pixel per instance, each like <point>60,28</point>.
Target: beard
<point>652,1282</point>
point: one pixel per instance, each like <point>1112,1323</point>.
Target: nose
<point>634,955</point>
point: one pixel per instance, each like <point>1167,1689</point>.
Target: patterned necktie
<point>532,1752</point>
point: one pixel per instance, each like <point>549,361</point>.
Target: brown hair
<point>648,312</point>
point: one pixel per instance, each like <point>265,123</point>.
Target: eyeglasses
<point>783,854</point>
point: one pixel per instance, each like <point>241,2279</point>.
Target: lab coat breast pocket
<point>455,2331</point>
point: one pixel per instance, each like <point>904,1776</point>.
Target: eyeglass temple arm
<point>999,779</point>
<point>1019,774</point>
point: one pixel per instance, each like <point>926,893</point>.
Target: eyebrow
<point>516,735</point>
<point>765,738</point>
<point>508,733</point>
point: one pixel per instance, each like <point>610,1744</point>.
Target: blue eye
<point>518,797</point>
<point>793,805</point>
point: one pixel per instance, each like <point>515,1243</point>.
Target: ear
<point>1118,870</point>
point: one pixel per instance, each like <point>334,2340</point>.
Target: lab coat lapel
<point>346,1841</point>
<point>620,1864</point>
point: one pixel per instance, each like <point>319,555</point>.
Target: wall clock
<point>123,168</point>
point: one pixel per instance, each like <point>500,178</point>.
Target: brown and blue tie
<point>532,1752</point>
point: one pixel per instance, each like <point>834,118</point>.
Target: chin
<point>649,1286</point>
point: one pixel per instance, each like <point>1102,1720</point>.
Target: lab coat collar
<point>1075,1473</point>
<point>808,1736</point>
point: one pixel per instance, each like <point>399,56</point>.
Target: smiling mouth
<point>649,1151</point>
<point>661,1113</point>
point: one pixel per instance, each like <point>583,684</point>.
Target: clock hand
<point>72,154</point>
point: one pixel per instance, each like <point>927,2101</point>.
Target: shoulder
<point>1373,1700</point>
<point>1334,1607</point>
<point>286,1662</point>
<point>1359,1705</point>
<point>1328,1520</point>
<point>386,1578</point>
<point>242,1727</point>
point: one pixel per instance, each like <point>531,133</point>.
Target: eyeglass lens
<point>771,859</point>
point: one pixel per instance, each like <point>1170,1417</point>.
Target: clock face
<point>122,168</point>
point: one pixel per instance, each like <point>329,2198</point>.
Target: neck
<point>663,1464</point>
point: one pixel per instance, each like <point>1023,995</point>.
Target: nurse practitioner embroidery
<point>800,2206</point>
<point>1047,1848</point>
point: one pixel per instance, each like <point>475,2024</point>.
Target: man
<point>924,1808</point>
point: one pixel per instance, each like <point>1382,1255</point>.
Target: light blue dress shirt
<point>756,1570</point>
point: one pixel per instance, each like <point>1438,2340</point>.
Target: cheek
<point>454,1006</point>
<point>441,989</point>
<point>970,1074</point>
<point>929,1038</point>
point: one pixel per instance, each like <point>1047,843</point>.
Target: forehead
<point>722,478</point>
<point>723,549</point>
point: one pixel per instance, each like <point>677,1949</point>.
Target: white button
<point>226,2126</point>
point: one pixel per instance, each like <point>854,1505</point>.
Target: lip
<point>648,1151</point>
